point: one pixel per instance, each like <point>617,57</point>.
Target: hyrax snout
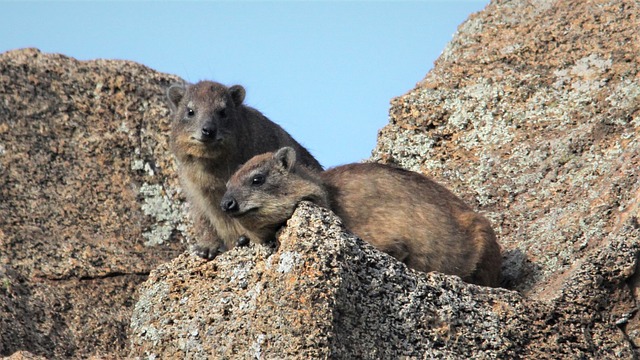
<point>400,212</point>
<point>212,133</point>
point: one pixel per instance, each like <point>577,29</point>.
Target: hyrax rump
<point>402,213</point>
<point>213,133</point>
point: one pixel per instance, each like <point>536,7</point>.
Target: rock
<point>326,294</point>
<point>531,114</point>
<point>25,355</point>
<point>537,131</point>
<point>89,201</point>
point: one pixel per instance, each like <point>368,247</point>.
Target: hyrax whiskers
<point>400,212</point>
<point>213,133</point>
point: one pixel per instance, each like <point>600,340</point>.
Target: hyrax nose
<point>208,130</point>
<point>229,204</point>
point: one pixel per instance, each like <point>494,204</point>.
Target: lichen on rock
<point>71,219</point>
<point>531,115</point>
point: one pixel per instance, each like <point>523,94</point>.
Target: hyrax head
<point>258,194</point>
<point>204,116</point>
<point>264,192</point>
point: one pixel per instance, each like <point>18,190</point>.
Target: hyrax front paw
<point>242,241</point>
<point>207,252</point>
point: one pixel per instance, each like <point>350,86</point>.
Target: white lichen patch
<point>157,205</point>
<point>158,234</point>
<point>241,273</point>
<point>148,169</point>
<point>144,317</point>
<point>511,48</point>
<point>139,164</point>
<point>624,97</point>
<point>474,114</point>
<point>587,75</point>
<point>123,127</point>
<point>256,346</point>
<point>288,260</point>
<point>251,297</point>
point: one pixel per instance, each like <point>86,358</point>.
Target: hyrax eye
<point>222,112</point>
<point>258,180</point>
<point>190,112</point>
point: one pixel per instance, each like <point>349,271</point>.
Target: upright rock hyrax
<point>400,212</point>
<point>213,133</point>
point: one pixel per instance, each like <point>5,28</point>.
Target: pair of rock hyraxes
<point>244,176</point>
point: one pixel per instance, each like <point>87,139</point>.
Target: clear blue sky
<point>325,71</point>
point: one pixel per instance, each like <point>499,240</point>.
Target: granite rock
<point>89,201</point>
<point>538,131</point>
<point>324,293</point>
<point>531,115</point>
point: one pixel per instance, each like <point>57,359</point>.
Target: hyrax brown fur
<point>213,133</point>
<point>402,213</point>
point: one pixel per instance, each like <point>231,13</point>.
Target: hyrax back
<point>213,133</point>
<point>403,213</point>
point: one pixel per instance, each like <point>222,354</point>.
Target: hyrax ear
<point>285,157</point>
<point>237,94</point>
<point>175,93</point>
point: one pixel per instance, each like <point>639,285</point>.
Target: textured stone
<point>252,302</point>
<point>25,355</point>
<point>531,115</point>
<point>538,131</point>
<point>89,201</point>
<point>326,294</point>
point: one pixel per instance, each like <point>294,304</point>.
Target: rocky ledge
<point>325,294</point>
<point>531,114</point>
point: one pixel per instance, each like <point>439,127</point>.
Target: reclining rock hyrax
<point>213,133</point>
<point>400,212</point>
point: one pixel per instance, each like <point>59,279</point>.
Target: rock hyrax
<point>213,133</point>
<point>402,213</point>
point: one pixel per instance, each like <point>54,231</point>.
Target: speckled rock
<point>24,355</point>
<point>89,201</point>
<point>538,131</point>
<point>247,302</point>
<point>326,294</point>
<point>532,114</point>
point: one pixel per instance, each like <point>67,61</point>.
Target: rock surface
<point>88,200</point>
<point>538,131</point>
<point>531,114</point>
<point>326,294</point>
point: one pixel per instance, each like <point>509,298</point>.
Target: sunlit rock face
<point>530,115</point>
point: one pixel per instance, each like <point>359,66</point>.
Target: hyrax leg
<point>208,245</point>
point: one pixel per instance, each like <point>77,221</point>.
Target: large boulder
<point>531,115</point>
<point>327,294</point>
<point>89,201</point>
